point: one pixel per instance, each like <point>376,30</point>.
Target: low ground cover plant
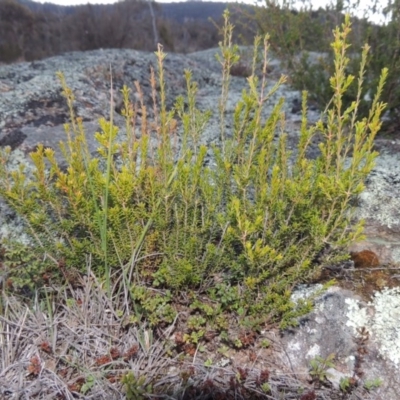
<point>162,230</point>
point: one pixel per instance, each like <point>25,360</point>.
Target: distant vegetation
<point>31,31</point>
<point>295,35</point>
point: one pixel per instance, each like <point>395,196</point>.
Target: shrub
<point>297,34</point>
<point>242,233</point>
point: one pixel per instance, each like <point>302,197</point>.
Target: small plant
<point>223,350</point>
<point>224,336</point>
<point>194,337</point>
<point>319,366</point>
<point>136,388</point>
<point>372,384</point>
<point>237,343</point>
<point>221,322</point>
<point>195,322</point>
<point>90,381</point>
<point>22,267</point>
<point>226,295</point>
<point>265,343</point>
<point>347,383</point>
<point>156,306</point>
<point>266,387</point>
<point>208,363</point>
<point>207,309</point>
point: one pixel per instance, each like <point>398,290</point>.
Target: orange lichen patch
<point>77,385</point>
<point>103,360</point>
<point>379,279</point>
<point>34,366</point>
<point>115,353</point>
<point>364,259</point>
<point>131,353</point>
<point>247,338</point>
<point>366,283</point>
<point>366,278</point>
<point>370,276</point>
<point>45,346</point>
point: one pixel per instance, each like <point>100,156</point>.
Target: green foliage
<point>194,336</point>
<point>208,363</point>
<point>265,387</point>
<point>90,382</point>
<point>345,384</point>
<point>136,387</point>
<point>291,30</point>
<point>265,343</point>
<point>319,367</point>
<point>22,264</point>
<point>372,384</point>
<point>296,36</point>
<point>156,220</point>
<point>156,307</point>
<point>385,44</point>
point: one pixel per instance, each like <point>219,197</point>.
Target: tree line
<point>30,32</point>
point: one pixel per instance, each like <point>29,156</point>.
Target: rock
<point>379,205</point>
<point>335,377</point>
<point>364,337</point>
<point>33,104</point>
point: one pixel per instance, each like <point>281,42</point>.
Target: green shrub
<point>297,34</point>
<point>257,224</point>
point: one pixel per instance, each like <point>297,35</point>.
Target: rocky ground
<point>357,319</point>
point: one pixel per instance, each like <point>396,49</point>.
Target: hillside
<point>31,31</point>
<point>174,11</point>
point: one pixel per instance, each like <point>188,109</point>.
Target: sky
<point>362,4</point>
<point>74,2</point>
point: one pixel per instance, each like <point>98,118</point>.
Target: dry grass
<point>75,342</point>
<point>68,337</point>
